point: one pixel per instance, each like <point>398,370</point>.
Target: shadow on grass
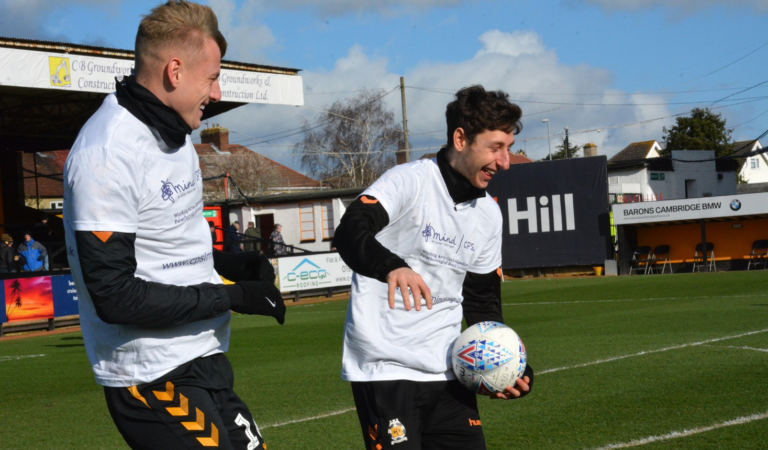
<point>66,345</point>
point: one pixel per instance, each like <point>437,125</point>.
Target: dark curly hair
<point>476,110</point>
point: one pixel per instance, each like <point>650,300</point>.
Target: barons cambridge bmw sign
<point>690,209</point>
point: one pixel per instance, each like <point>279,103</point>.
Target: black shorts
<point>411,415</point>
<point>193,406</point>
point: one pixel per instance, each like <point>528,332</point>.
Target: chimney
<point>216,135</point>
<point>590,150</point>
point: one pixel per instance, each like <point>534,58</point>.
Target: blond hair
<point>177,24</point>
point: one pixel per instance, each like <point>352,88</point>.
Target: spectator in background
<point>278,244</point>
<point>7,260</point>
<point>33,254</point>
<point>41,233</point>
<point>234,240</point>
<point>212,227</point>
<point>251,239</point>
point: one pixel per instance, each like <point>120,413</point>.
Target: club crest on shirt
<point>396,431</point>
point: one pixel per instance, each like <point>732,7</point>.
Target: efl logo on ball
<point>488,357</point>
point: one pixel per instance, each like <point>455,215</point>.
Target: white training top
<point>121,177</point>
<point>439,243</point>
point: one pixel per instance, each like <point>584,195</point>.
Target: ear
<point>459,139</point>
<point>173,71</point>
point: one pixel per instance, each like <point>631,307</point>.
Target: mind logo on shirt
<point>167,191</point>
<point>430,234</point>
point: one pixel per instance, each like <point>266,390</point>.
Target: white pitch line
<point>648,352</point>
<point>686,433</point>
<point>740,348</point>
<point>634,300</point>
<point>335,413</point>
<point>13,358</point>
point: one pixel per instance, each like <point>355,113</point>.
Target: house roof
<point>634,151</point>
<point>742,148</point>
<point>50,170</point>
<point>751,188</point>
<point>288,178</point>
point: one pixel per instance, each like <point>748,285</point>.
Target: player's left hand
<point>520,389</point>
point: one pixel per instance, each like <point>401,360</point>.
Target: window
<point>57,204</point>
<point>307,222</point>
<point>326,209</point>
<point>754,163</point>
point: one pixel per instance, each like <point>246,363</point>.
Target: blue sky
<point>586,64</point>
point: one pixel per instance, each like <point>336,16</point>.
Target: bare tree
<point>252,172</point>
<point>352,142</point>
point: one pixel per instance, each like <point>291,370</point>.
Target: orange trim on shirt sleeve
<point>368,201</point>
<point>102,235</point>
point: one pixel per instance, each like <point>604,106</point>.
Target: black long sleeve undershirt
<point>120,297</point>
<point>482,298</point>
<point>355,240</point>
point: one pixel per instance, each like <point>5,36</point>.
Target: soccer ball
<point>488,357</point>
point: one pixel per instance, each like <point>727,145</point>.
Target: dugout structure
<point>731,222</point>
<point>48,90</point>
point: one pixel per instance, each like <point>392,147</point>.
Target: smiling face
<point>480,160</point>
<point>195,84</point>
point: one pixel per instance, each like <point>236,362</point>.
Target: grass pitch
<point>665,361</point>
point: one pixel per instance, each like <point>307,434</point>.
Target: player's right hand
<point>410,283</point>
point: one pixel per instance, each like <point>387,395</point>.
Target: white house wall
<point>287,215</point>
<point>756,175</point>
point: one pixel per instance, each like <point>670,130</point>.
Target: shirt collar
<point>459,188</point>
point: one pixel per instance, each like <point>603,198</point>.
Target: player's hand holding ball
<point>489,358</point>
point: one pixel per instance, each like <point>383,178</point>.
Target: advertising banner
<point>43,70</point>
<point>3,317</point>
<point>28,299</point>
<point>555,213</point>
<point>300,273</point>
<point>64,296</point>
<point>691,209</point>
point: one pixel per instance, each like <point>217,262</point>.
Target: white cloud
<point>682,7</point>
<point>515,44</point>
<point>246,38</point>
<point>518,63</point>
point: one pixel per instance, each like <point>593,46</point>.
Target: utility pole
<point>549,144</point>
<point>406,151</point>
<point>567,150</point>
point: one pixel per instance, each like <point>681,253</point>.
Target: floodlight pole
<point>567,155</point>
<point>549,144</point>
